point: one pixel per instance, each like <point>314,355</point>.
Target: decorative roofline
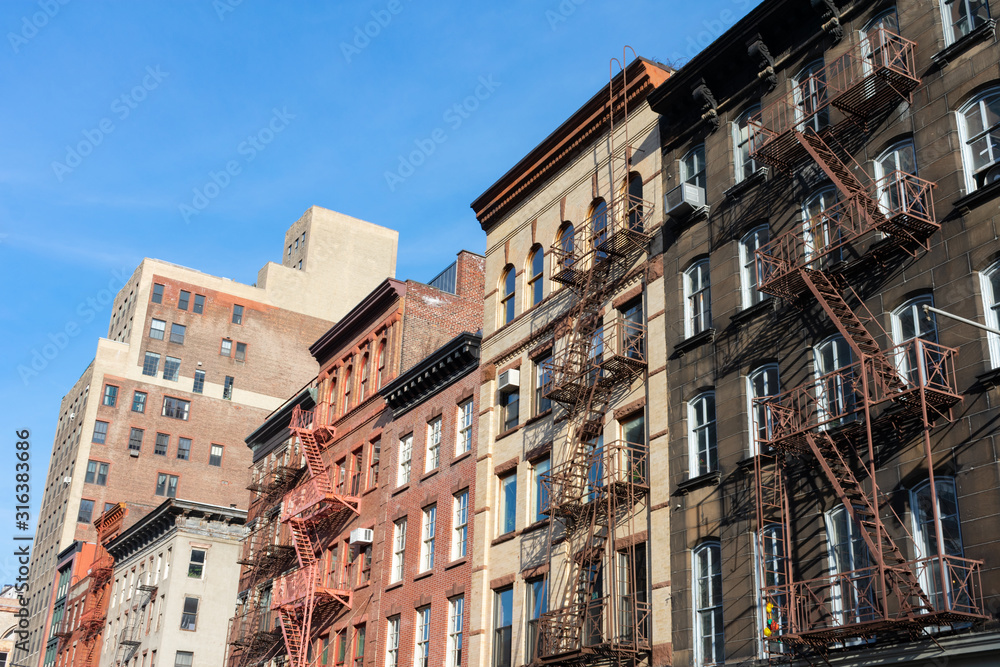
<point>441,368</point>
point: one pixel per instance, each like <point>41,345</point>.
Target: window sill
<point>989,380</point>
<point>393,586</point>
<point>538,525</point>
<point>978,197</point>
<point>767,305</point>
<point>688,344</point>
<point>506,537</point>
<point>400,489</point>
<point>510,431</point>
<point>430,473</point>
<point>540,416</point>
<point>456,563</point>
<point>363,585</point>
<point>713,478</point>
<point>461,457</point>
<point>423,575</point>
<point>737,189</point>
<point>369,490</point>
<point>948,53</point>
<point>682,222</point>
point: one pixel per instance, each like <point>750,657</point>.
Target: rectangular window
<point>215,457</point>
<point>157,293</point>
<point>376,454</point>
<point>398,550</point>
<point>543,377</point>
<point>151,364</point>
<point>199,304</point>
<point>162,442</point>
<point>464,427</point>
<point>227,348</point>
<point>97,473</point>
<point>135,439</point>
<point>427,544</point>
<point>422,656</point>
<point>503,626</point>
<point>433,458</point>
<point>227,388</point>
<point>405,453</point>
<point>183,659</point>
<point>508,503</point>
<point>541,504</point>
<point>100,432</point>
<point>536,602</point>
<point>241,351</point>
<point>359,646</point>
<point>175,408</point>
<point>171,369</point>
<point>184,448</point>
<point>189,617</point>
<point>177,332</point>
<point>460,538</point>
<point>509,410</point>
<point>139,401</point>
<point>182,300</point>
<point>166,485</point>
<point>110,395</point>
<point>456,621</point>
<point>392,643</point>
<point>157,329</point>
<point>199,382</point>
<point>708,628</point>
<point>196,565</point>
<point>237,314</point>
<point>703,453</point>
<point>86,511</point>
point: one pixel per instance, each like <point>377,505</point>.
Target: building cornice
<point>358,319</point>
<point>455,359</point>
<point>162,520</point>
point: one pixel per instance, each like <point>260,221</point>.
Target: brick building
<point>313,557</point>
<point>572,357</point>
<point>832,460</point>
<point>191,363</point>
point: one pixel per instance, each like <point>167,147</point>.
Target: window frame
<point>465,422</point>
<point>536,276</point>
<point>161,439</point>
<point>460,525</point>
<point>103,433</point>
<point>422,637</point>
<point>754,413</point>
<point>182,449</point>
<point>392,641</point>
<point>741,139</point>
<point>177,337</point>
<point>948,26</point>
<point>991,309</point>
<point>456,627</point>
<point>183,299</point>
<point>190,618</point>
<point>141,403</point>
<point>157,332</point>
<point>750,266</point>
<point>702,405</point>
<point>156,294</point>
<point>508,295</point>
<point>238,314</point>
<point>110,396</point>
<point>398,550</point>
<point>507,503</point>
<point>199,566</point>
<point>694,158</point>
<point>182,404</point>
<point>503,633</point>
<point>404,460</point>
<point>540,497</point>
<point>213,458</point>
<point>710,550</point>
<point>979,102</point>
<point>697,294</point>
<point>169,484</point>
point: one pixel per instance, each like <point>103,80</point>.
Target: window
<point>890,166</point>
<point>697,299</point>
<point>911,322</point>
<point>227,387</point>
<point>990,283</point>
<point>543,378</point>
<point>177,332</point>
<point>821,237</point>
<point>86,511</point>
<point>427,542</point>
<point>166,485</point>
<point>227,348</point>
<point>380,361</point>
<point>835,390</point>
<point>761,383</point>
<point>745,165</point>
<point>398,549</point>
<point>769,566</point>
<point>536,268</point>
<point>960,17</point>
<point>465,418</point>
<point>392,643</point>
<point>979,128</point>
<point>196,564</point>
<point>139,401</point>
<point>925,536</point>
<point>566,246</point>
<point>184,448</point>
<point>456,621</point>
<point>359,646</point>
<point>176,408</point>
<point>189,617</point>
<point>633,336</point>
<point>376,454</point>
<point>509,410</point>
<point>460,523</point>
<point>405,454</point>
<point>183,659</point>
<point>241,351</point>
<point>846,554</point>
<point>363,390</point>
<point>633,431</point>
<point>182,300</point>
<point>110,395</point>
<point>157,328</point>
<point>599,228</point>
<point>811,110</point>
<point>536,603</point>
<point>709,643</point>
<point>693,167</point>
<point>199,304</point>
<point>97,473</point>
<point>157,293</point>
<point>171,369</point>
<point>633,190</point>
<point>151,364</point>
<point>508,503</point>
<point>135,439</point>
<point>433,457</point>
<point>508,291</point>
<point>632,591</point>
<point>422,656</point>
<point>237,314</point>
<point>704,456</point>
<point>162,442</point>
<point>100,432</point>
<point>199,382</point>
<point>503,626</point>
<point>751,267</point>
<point>347,389</point>
<point>215,456</point>
<point>540,470</point>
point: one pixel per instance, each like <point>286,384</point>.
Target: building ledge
<point>506,537</point>
<point>682,222</point>
<point>430,473</point>
<point>461,457</point>
<point>713,478</point>
<point>400,489</point>
<point>510,431</point>
<point>423,575</point>
<point>455,563</point>
<point>540,416</point>
<point>690,343</point>
<point>758,176</point>
<point>978,197</point>
<point>768,305</point>
<point>948,53</point>
<point>988,380</point>
<point>538,525</point>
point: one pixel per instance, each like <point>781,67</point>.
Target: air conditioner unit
<point>509,380</point>
<point>684,200</point>
<point>67,480</point>
<point>133,453</point>
<point>362,536</point>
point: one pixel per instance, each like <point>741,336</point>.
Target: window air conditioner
<point>684,200</point>
<point>362,536</point>
<point>509,380</point>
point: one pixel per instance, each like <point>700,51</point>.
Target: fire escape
<point>130,637</point>
<point>838,423</point>
<point>308,597</point>
<point>597,610</point>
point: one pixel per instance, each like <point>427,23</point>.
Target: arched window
<point>331,399</point>
<point>565,243</point>
<point>634,202</point>
<point>890,169</point>
<point>703,455</point>
<point>811,110</point>
<point>847,554</point>
<point>745,165</point>
<point>960,17</point>
<point>979,128</point>
<point>835,390</point>
<point>380,365</point>
<point>751,266</point>
<point>876,40</point>
<point>693,167</point>
<point>508,290</point>
<point>363,394</point>
<point>925,534</point>
<point>822,239</point>
<point>990,284</point>
<point>536,269</point>
<point>761,383</point>
<point>769,555</point>
<point>697,298</point>
<point>706,567</point>
<point>347,389</point>
<point>599,226</point>
<point>910,322</point>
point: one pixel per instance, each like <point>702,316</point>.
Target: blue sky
<point>117,115</point>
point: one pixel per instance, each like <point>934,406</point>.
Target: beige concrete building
<point>175,580</point>
<point>565,518</point>
<point>8,623</point>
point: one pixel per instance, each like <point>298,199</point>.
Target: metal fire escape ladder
<point>129,638</point>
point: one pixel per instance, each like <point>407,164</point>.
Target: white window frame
<point>907,370</point>
<point>824,198</point>
<point>465,421</point>
<point>433,458</point>
<point>741,138</point>
<point>818,93</point>
<point>750,266</point>
<point>852,547</point>
<point>539,498</point>
<point>398,550</point>
<point>422,636</point>
<point>979,103</point>
<point>702,434</point>
<point>893,153</point>
<point>756,414</point>
<point>991,310</point>
<point>392,642</point>
<point>697,295</point>
<point>710,550</point>
<point>460,525</point>
<point>833,396</point>
<point>427,541</point>
<point>925,543</point>
<point>456,623</point>
<point>769,537</point>
<point>692,167</point>
<point>948,26</point>
<point>404,463</point>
